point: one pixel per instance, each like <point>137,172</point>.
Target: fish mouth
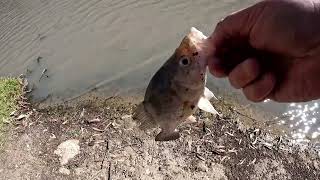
<point>202,45</point>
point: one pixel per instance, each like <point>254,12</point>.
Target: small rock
<point>129,151</point>
<point>128,122</point>
<point>67,150</point>
<point>147,171</point>
<point>13,113</point>
<point>219,171</point>
<point>82,113</point>
<point>21,116</point>
<point>79,171</point>
<point>126,117</point>
<point>316,165</point>
<point>97,129</point>
<point>91,143</point>
<point>94,120</point>
<point>64,171</point>
<point>53,136</point>
<point>7,121</point>
<point>202,166</point>
<point>21,76</point>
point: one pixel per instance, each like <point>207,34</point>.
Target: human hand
<point>271,50</point>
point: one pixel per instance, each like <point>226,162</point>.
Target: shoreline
<point>111,144</point>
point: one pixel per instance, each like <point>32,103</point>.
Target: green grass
<point>10,91</point>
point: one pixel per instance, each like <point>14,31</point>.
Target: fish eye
<point>184,61</point>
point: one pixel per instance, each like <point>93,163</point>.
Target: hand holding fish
<point>271,50</point>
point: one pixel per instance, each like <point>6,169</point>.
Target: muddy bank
<point>111,146</point>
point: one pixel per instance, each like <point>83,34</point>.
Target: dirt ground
<point>95,138</point>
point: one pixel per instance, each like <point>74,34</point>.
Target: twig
<point>38,59</point>
<point>229,134</point>
<point>96,129</point>
<point>94,120</point>
<point>222,127</point>
<point>255,141</point>
<point>245,115</point>
<point>252,162</point>
<point>242,161</point>
<point>233,151</point>
<point>244,107</point>
<point>200,157</point>
<point>223,158</point>
<point>132,144</point>
<point>218,151</point>
<point>104,155</point>
<point>94,176</point>
<point>109,172</point>
<point>43,72</point>
<point>204,127</point>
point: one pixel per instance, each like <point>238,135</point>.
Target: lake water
<point>115,46</point>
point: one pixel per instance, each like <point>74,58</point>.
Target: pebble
<point>202,166</point>
<point>79,171</point>
<point>64,171</point>
<point>67,150</point>
<point>126,117</point>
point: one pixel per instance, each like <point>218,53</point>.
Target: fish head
<point>191,59</point>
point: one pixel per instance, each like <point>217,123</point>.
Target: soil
<point>108,145</point>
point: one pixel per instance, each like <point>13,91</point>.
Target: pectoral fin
<point>208,94</point>
<point>205,105</point>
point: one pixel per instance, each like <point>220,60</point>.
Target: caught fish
<point>177,89</point>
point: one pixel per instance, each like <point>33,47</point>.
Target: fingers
<point>247,75</point>
<point>261,88</point>
<point>244,73</point>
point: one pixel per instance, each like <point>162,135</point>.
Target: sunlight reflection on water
<point>302,121</point>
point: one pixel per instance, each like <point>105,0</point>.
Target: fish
<point>177,89</point>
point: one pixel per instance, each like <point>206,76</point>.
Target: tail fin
<point>141,116</point>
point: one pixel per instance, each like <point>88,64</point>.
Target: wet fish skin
<point>175,90</point>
